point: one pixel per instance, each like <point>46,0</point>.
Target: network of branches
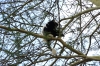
<point>22,41</point>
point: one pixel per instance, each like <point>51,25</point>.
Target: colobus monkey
<point>51,28</point>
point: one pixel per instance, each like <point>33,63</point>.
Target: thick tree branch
<point>40,36</point>
<point>85,11</point>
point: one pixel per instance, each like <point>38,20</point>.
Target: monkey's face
<point>52,25</point>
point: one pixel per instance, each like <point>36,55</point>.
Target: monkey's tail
<point>48,44</point>
<point>52,49</point>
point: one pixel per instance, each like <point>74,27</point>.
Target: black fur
<point>51,28</point>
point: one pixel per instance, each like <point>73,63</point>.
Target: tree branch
<point>40,36</point>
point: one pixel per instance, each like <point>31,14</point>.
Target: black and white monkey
<point>51,28</point>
